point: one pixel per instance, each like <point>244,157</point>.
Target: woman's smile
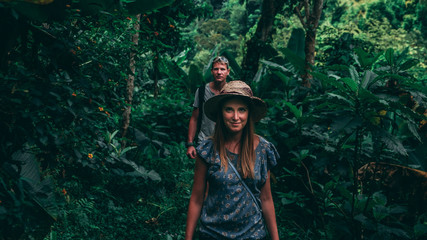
<point>235,113</point>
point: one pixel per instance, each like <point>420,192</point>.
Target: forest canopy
<point>96,96</point>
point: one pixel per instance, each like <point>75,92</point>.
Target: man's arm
<point>192,128</point>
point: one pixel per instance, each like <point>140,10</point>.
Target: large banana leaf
<point>235,67</point>
<point>296,42</point>
<point>195,78</point>
<point>39,190</point>
<point>144,6</point>
<point>297,61</point>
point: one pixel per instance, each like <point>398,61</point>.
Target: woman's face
<point>235,114</point>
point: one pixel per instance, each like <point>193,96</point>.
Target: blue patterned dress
<point>229,211</point>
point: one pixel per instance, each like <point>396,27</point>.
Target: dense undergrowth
<point>67,173</point>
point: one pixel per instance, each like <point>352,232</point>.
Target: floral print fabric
<point>229,211</point>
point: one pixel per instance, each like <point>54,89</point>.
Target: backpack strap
<point>201,102</point>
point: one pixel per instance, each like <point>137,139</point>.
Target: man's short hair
<point>220,59</point>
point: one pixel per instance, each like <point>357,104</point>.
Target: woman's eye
<point>228,109</point>
<point>242,109</point>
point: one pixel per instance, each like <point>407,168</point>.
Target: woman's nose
<point>235,115</point>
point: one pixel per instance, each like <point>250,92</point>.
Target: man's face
<point>220,72</point>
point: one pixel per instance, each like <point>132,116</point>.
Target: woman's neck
<point>232,143</point>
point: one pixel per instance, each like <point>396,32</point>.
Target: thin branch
<point>308,177</point>
<point>298,12</point>
<point>317,11</point>
<point>337,206</point>
<point>307,10</point>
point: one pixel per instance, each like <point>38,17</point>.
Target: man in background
<point>220,70</point>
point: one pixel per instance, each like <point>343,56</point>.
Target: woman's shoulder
<point>204,149</point>
<point>268,148</point>
<point>263,142</point>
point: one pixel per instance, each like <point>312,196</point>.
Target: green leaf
<point>140,171</point>
<point>296,111</point>
<point>297,61</point>
<point>323,78</point>
<point>420,229</point>
<point>362,58</point>
<point>338,67</point>
<point>379,198</point>
<point>112,135</point>
<point>331,80</point>
<point>258,76</point>
<point>92,7</point>
<point>408,64</point>
<point>273,65</point>
<point>350,83</point>
<point>389,56</point>
<point>413,128</point>
<point>171,69</point>
<point>369,78</point>
<point>361,218</point>
<point>405,112</point>
<point>393,143</point>
<point>354,74</point>
<point>40,191</point>
<point>375,80</point>
<point>31,11</point>
<point>368,97</point>
<point>127,149</point>
<point>346,125</point>
<point>296,42</point>
<point>380,212</point>
<point>235,67</point>
<point>146,6</point>
<point>399,233</point>
<point>195,78</point>
<point>285,79</point>
<point>342,98</point>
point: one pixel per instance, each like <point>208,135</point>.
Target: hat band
<point>237,93</point>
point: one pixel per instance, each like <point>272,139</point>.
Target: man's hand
<point>191,152</point>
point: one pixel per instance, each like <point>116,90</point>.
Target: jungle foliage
<point>352,145</point>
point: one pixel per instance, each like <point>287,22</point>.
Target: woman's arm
<point>268,209</point>
<point>196,199</point>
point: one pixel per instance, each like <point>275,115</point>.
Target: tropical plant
<point>63,88</point>
<point>354,116</point>
<point>69,170</point>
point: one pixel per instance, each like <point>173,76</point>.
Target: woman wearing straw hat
<point>236,163</point>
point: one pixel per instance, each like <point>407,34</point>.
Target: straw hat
<point>235,88</point>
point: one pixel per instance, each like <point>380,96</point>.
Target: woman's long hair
<point>246,158</point>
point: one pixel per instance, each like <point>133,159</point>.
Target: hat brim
<point>212,105</point>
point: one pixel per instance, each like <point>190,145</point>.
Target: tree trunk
<point>309,49</point>
<point>310,22</point>
<point>130,82</point>
<point>255,46</point>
